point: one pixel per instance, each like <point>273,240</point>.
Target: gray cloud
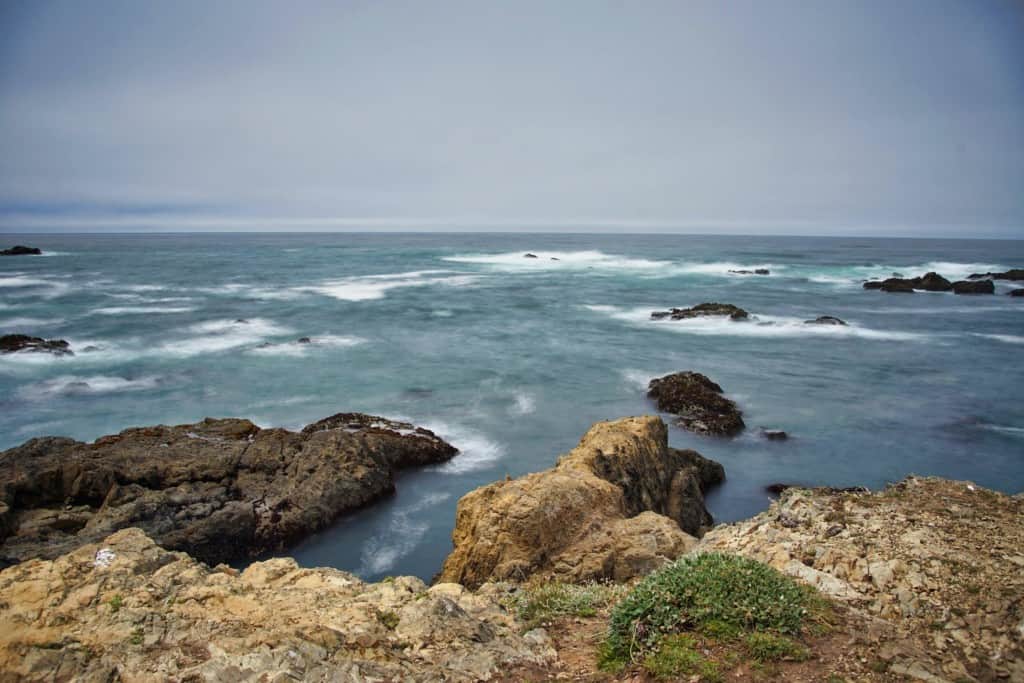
<point>738,117</point>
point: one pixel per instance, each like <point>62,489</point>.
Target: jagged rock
<point>12,343</point>
<point>219,489</point>
<point>938,563</point>
<point>126,609</point>
<point>617,506</point>
<point>1012,274</point>
<point>826,320</point>
<point>20,250</point>
<point>701,310</point>
<point>974,287</point>
<point>697,402</point>
<point>929,282</point>
<point>932,282</point>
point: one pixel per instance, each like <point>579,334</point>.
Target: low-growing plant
<point>116,602</point>
<point>765,646</point>
<point>388,619</point>
<point>543,602</point>
<point>711,591</point>
<point>678,655</point>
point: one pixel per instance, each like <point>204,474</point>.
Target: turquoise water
<point>511,359</point>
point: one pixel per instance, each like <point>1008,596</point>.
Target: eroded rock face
<point>939,562</point>
<point>21,250</point>
<point>14,343</point>
<point>701,310</point>
<point>218,489</point>
<point>126,609</point>
<point>617,506</point>
<point>697,402</point>
<point>974,287</point>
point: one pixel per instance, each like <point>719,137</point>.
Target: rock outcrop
<point>1016,292</point>
<point>697,403</point>
<point>1012,274</point>
<point>21,250</point>
<point>128,610</point>
<point>701,310</point>
<point>974,287</point>
<point>929,282</point>
<point>618,505</point>
<point>937,565</point>
<point>826,320</point>
<point>219,489</point>
<point>15,343</point>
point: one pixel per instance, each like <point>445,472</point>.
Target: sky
<point>875,117</point>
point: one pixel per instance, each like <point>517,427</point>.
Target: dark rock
<point>220,489</point>
<point>873,284</point>
<point>756,271</point>
<point>304,340</point>
<point>697,402</point>
<point>700,310</point>
<point>242,321</point>
<point>834,530</point>
<point>974,287</point>
<point>1012,274</point>
<point>553,258</point>
<point>762,271</point>
<point>777,489</point>
<point>1016,292</point>
<point>11,343</point>
<point>529,256</point>
<point>932,282</point>
<point>826,320</point>
<point>788,521</point>
<point>895,285</point>
<point>21,250</point>
<point>774,434</point>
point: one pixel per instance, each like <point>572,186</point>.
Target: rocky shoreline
<point>925,578</point>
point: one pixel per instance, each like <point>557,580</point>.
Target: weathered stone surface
<point>701,310</point>
<point>21,250</point>
<point>938,561</point>
<point>697,403</point>
<point>129,610</point>
<point>218,489</point>
<point>618,505</point>
<point>974,287</point>
<point>22,343</point>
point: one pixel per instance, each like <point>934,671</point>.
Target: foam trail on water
<point>476,451</point>
<point>371,287</point>
<point>406,530</point>
<point>136,310</point>
<point>1006,338</point>
<point>214,336</point>
<point>523,404</point>
<point>299,349</point>
<point>73,385</point>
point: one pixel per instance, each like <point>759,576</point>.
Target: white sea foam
<point>143,288</point>
<point>134,310</point>
<point>406,530</point>
<point>757,326</point>
<point>546,260</point>
<point>1007,338</point>
<point>71,385</point>
<point>370,287</point>
<point>53,288</point>
<point>299,349</point>
<point>476,451</point>
<point>245,291</point>
<point>214,336</point>
<point>523,403</point>
<point>637,379</point>
<point>1012,431</point>
<point>11,323</point>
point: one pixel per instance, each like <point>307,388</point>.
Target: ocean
<point>512,359</point>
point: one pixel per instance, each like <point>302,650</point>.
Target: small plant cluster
<point>542,602</point>
<point>671,620</point>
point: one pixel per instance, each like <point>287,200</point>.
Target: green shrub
<point>771,647</point>
<point>543,602</point>
<point>116,602</point>
<point>710,590</point>
<point>676,656</point>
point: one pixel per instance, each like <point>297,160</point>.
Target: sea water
<point>512,359</point>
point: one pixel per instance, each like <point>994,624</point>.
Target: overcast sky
<point>827,117</point>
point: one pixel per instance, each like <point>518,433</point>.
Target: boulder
<point>126,609</point>
<point>893,285</point>
<point>697,403</point>
<point>929,282</point>
<point>826,320</point>
<point>1012,274</point>
<point>617,506</point>
<point>701,310</point>
<point>932,282</point>
<point>13,343</point>
<point>774,434</point>
<point>974,287</point>
<point>20,250</point>
<point>220,489</point>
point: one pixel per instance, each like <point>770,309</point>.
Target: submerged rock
<point>826,320</point>
<point>974,287</point>
<point>21,250</point>
<point>619,505</point>
<point>529,256</point>
<point>756,271</point>
<point>701,310</point>
<point>774,434</point>
<point>697,402</point>
<point>14,343</point>
<point>126,609</point>
<point>1015,292</point>
<point>220,489</point>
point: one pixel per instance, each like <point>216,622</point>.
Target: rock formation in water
<point>21,250</point>
<point>1012,274</point>
<point>974,287</point>
<point>128,610</point>
<point>618,505</point>
<point>756,271</point>
<point>697,403</point>
<point>929,282</point>
<point>22,343</point>
<point>826,320</point>
<point>702,310</point>
<point>219,489</point>
<point>1016,292</point>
